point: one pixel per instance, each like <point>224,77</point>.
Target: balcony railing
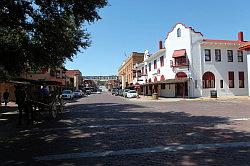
<point>179,63</point>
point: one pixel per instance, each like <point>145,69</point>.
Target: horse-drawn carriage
<point>37,104</point>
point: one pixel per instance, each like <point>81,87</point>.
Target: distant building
<point>74,79</point>
<point>47,74</point>
<point>100,78</point>
<point>125,72</point>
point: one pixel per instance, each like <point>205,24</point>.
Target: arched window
<point>180,75</point>
<point>179,32</point>
<point>149,80</point>
<point>162,78</point>
<point>208,80</point>
<point>155,79</point>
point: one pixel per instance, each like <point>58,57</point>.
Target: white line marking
<point>166,149</point>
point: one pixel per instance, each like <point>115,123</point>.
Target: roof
<point>73,72</point>
<point>179,53</point>
<point>223,41</point>
<point>159,52</point>
<point>192,29</point>
<point>246,46</point>
<point>134,54</point>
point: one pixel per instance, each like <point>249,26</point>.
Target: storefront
<point>168,88</point>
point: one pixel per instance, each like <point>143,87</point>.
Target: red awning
<point>179,53</point>
<point>181,75</point>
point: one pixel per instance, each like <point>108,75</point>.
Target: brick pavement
<point>103,123</point>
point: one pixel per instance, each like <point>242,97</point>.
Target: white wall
<point>221,69</point>
<point>169,90</point>
<point>248,73</point>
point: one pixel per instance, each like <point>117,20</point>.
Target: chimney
<point>240,36</point>
<point>160,44</point>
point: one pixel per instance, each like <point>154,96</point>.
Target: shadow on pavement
<point>101,127</point>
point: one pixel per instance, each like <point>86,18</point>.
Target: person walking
<point>20,101</point>
<point>6,96</point>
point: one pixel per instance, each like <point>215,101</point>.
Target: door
<point>181,89</point>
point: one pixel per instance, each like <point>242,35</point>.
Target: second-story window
<point>146,69</point>
<point>217,55</point>
<point>142,70</point>
<point>155,64</point>
<point>230,55</point>
<point>240,56</point>
<point>162,60</point>
<point>149,67</point>
<point>207,55</point>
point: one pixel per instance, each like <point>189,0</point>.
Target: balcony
<point>179,63</point>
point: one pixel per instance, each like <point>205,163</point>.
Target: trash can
<point>213,93</point>
<point>155,96</point>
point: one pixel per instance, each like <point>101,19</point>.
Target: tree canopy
<point>44,33</point>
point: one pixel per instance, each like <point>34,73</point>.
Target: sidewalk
<point>160,99</point>
<point>163,99</point>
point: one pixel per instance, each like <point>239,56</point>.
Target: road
<point>110,130</point>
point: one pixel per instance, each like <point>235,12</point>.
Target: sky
<point>138,25</point>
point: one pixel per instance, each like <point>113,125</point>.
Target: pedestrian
<point>6,97</point>
<point>20,100</point>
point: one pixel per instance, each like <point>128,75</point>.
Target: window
<point>180,61</point>
<point>179,32</point>
<point>221,83</point>
<point>163,86</point>
<point>231,79</point>
<point>162,60</point>
<point>217,55</point>
<point>207,55</point>
<point>208,80</point>
<point>149,67</point>
<point>155,64</point>
<point>240,56</point>
<point>146,69</point>
<point>241,79</point>
<point>195,84</point>
<point>142,70</point>
<point>230,55</point>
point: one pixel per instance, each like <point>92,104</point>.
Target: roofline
<point>223,41</point>
<point>187,27</point>
<point>131,55</point>
<point>156,54</point>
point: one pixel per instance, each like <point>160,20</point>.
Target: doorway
<point>181,90</point>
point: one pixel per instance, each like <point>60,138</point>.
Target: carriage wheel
<point>54,111</point>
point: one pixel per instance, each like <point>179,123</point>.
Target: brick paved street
<point>110,130</point>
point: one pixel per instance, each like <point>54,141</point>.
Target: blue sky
<point>138,25</point>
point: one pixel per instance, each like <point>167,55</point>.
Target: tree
<point>44,33</point>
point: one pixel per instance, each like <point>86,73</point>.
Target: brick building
<point>125,72</point>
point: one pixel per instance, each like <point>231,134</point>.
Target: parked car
<point>78,93</point>
<point>125,91</point>
<point>67,94</point>
<point>117,92</point>
<point>132,94</point>
<point>113,91</point>
<point>88,92</point>
<point>120,92</point>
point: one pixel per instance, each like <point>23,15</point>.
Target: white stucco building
<point>190,65</point>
